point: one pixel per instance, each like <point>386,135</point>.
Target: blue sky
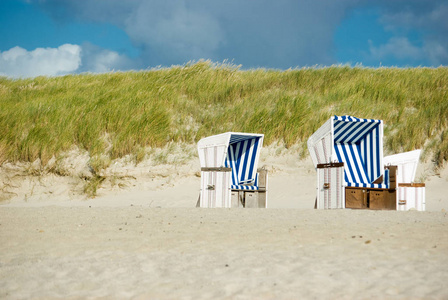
<point>57,37</point>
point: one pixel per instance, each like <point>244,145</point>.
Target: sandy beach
<point>143,238</point>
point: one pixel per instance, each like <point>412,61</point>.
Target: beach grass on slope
<point>116,114</point>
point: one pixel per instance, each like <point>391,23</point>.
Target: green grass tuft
<point>116,114</point>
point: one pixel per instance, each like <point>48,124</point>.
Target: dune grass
<point>115,114</point>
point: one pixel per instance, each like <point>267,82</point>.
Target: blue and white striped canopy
<point>358,143</point>
<point>241,157</point>
<point>348,129</point>
<point>235,138</point>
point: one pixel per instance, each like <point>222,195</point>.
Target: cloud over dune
<point>260,33</point>
<point>279,34</point>
<point>18,62</point>
<point>263,33</point>
<point>66,59</point>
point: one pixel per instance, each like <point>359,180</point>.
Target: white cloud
<point>398,47</point>
<point>98,60</point>
<point>176,31</point>
<point>426,20</point>
<point>401,49</point>
<point>437,52</point>
<point>415,14</point>
<point>66,59</point>
<point>18,62</point>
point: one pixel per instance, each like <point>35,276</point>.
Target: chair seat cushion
<point>367,185</point>
<point>244,187</point>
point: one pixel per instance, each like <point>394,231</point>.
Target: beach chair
<point>229,175</point>
<point>410,195</point>
<point>347,153</point>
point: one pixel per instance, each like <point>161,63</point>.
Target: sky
<point>59,37</point>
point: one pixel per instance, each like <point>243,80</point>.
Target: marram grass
<point>115,114</point>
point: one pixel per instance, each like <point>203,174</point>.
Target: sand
<point>142,238</point>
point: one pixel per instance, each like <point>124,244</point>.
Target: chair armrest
<point>262,178</point>
<point>247,182</point>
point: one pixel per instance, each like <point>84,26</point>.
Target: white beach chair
<point>347,153</point>
<point>410,195</point>
<point>229,176</point>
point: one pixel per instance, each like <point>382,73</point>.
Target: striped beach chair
<point>347,153</point>
<point>358,144</point>
<point>229,175</point>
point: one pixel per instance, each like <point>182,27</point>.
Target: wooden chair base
<point>365,198</point>
<point>248,199</point>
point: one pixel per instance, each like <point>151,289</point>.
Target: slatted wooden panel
<point>215,189</point>
<point>411,196</point>
<point>330,189</point>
